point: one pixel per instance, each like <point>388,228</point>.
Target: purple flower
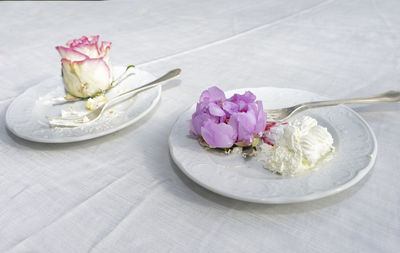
<point>224,122</point>
<point>213,94</point>
<point>243,100</point>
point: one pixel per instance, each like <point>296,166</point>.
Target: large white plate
<point>232,176</point>
<point>25,116</point>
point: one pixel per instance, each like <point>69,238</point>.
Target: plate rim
<point>86,136</point>
<point>283,200</point>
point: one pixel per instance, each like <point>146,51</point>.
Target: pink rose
<point>86,68</point>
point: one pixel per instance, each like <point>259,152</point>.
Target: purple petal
<point>261,118</point>
<point>243,106</point>
<point>247,98</point>
<point>218,135</point>
<point>247,122</point>
<point>198,120</point>
<point>201,107</point>
<point>215,110</point>
<point>230,107</point>
<point>243,124</point>
<point>213,94</point>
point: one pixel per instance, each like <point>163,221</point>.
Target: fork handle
<point>167,76</point>
<point>389,96</point>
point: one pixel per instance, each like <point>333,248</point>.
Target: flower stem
<point>122,77</point>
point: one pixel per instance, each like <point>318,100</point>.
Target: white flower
<point>85,66</point>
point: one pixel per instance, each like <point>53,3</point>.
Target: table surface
<point>123,192</point>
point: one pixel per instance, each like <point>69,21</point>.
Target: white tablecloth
<point>123,193</point>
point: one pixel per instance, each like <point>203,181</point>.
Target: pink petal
<point>91,40</point>
<point>89,50</point>
<point>94,39</point>
<point>86,45</point>
<point>104,48</point>
<point>65,61</point>
<point>71,54</point>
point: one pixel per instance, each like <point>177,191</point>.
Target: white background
<point>122,192</point>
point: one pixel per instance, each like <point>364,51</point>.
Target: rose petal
<point>93,76</point>
<point>71,80</point>
<point>86,45</point>
<point>104,48</point>
<point>71,54</point>
<point>94,39</point>
<point>218,135</point>
<point>89,50</point>
<point>91,40</point>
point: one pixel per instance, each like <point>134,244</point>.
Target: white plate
<point>232,176</point>
<point>26,115</point>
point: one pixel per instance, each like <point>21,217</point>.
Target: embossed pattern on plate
<point>25,116</point>
<point>231,176</point>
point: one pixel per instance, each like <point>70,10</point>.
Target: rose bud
<point>86,69</point>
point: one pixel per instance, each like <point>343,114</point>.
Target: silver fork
<point>283,114</point>
<point>94,115</point>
